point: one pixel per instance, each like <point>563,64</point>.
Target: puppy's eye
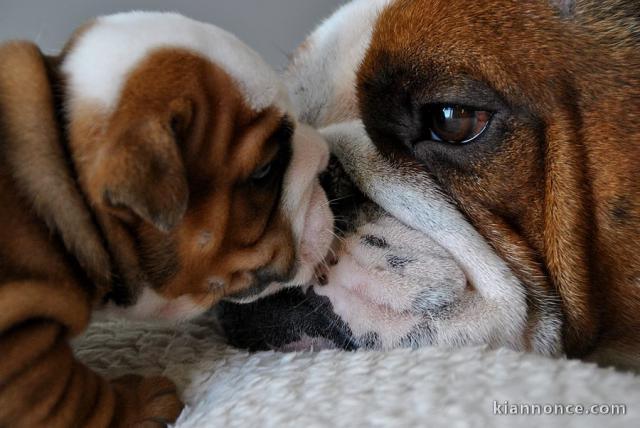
<point>454,124</point>
<point>262,173</point>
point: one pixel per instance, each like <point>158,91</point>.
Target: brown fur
<point>553,184</point>
<point>159,192</point>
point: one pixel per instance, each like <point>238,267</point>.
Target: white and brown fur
<point>151,170</point>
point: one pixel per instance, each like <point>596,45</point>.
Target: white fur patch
<point>151,305</point>
<point>110,49</point>
<point>325,68</point>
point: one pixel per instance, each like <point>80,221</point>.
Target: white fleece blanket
<point>431,387</point>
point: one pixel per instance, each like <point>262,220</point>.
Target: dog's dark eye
<point>454,124</point>
<point>263,172</point>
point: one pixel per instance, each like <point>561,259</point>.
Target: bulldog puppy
<point>152,169</point>
<point>505,132</point>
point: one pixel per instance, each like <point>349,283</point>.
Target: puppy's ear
<point>142,170</point>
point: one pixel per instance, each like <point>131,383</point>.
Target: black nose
<point>282,319</point>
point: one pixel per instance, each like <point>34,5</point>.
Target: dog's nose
<point>282,319</point>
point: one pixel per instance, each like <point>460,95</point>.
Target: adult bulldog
<point>504,135</point>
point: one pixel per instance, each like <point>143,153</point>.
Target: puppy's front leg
<point>41,382</point>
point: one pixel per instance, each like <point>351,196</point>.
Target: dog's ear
<point>142,170</point>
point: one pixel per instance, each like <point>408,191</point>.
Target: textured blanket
<point>431,387</point>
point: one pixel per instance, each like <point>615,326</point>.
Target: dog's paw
<point>389,282</point>
<point>147,401</point>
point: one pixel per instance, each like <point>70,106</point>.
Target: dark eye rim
<point>436,106</point>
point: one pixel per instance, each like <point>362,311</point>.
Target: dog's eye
<point>454,124</point>
<point>263,172</point>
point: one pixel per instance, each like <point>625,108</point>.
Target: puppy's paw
<point>389,282</point>
<point>147,401</point>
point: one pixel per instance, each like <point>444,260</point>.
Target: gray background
<point>272,27</point>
